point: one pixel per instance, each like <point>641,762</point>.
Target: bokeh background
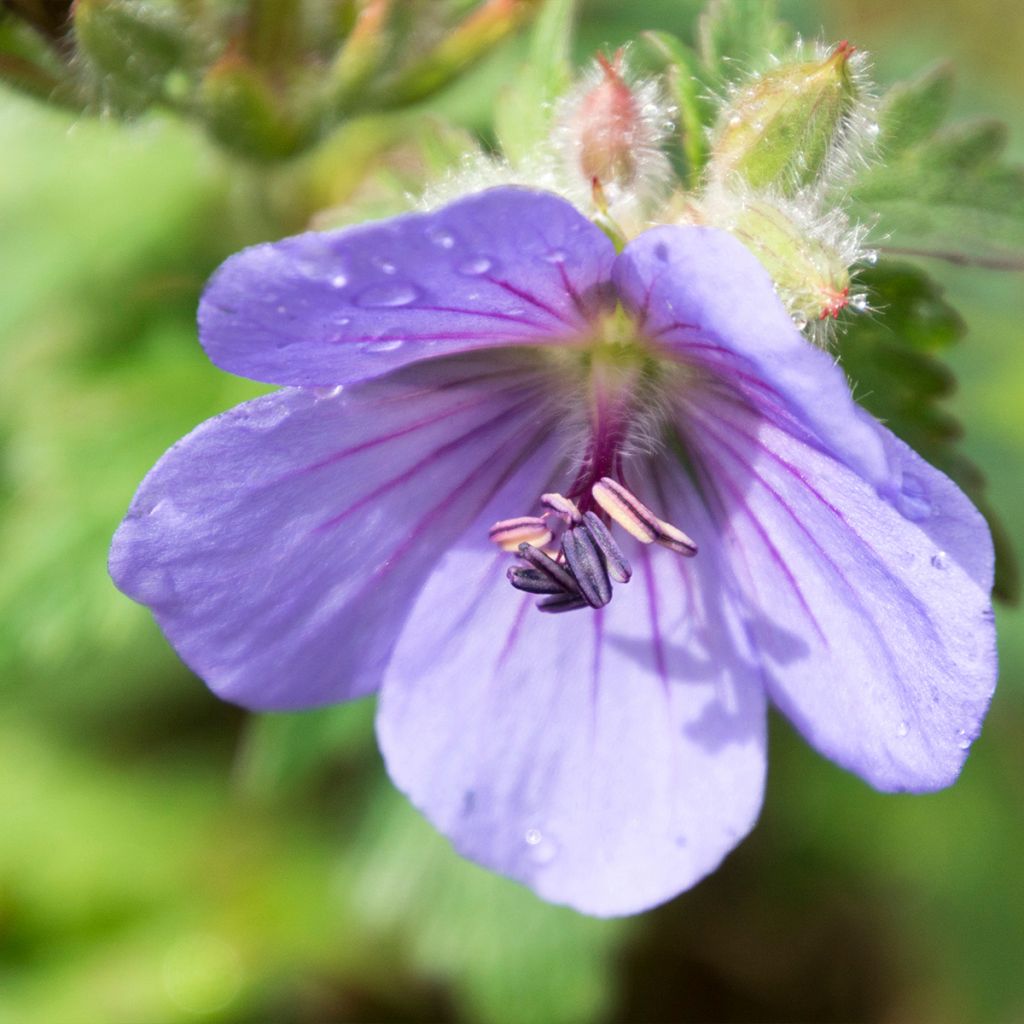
<point>166,858</point>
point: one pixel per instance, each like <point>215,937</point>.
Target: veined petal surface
<point>608,759</point>
<point>704,299</point>
<point>504,267</point>
<point>280,545</point>
<point>894,660</point>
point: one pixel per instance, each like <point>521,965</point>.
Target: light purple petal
<point>704,298</point>
<point>607,759</point>
<point>281,544</point>
<point>875,629</point>
<point>503,267</point>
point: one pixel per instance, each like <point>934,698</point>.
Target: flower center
<point>567,554</point>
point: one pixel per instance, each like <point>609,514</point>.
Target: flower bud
<point>810,273</point>
<point>243,112</point>
<point>608,125</point>
<point>779,130</point>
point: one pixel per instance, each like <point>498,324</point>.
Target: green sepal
<point>893,366</point>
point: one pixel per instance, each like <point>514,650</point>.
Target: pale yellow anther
<point>510,533</point>
<point>637,519</point>
<point>674,539</point>
<point>634,517</point>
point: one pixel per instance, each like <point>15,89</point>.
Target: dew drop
<point>387,295</point>
<point>859,302</point>
<point>873,128</point>
<point>940,560</point>
<point>382,344</point>
<point>735,120</point>
<point>543,849</point>
<point>556,256</point>
<point>385,265</point>
<point>799,322</point>
<point>902,730</point>
<point>339,281</point>
<point>444,239</point>
<point>321,393</point>
<point>871,257</point>
<point>476,266</point>
<point>963,740</point>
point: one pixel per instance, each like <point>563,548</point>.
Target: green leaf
<point>680,65</point>
<point>739,36</point>
<point>509,957</point>
<point>893,366</point>
<point>523,112</point>
<point>942,192</point>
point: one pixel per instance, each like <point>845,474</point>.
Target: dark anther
<point>562,603</point>
<point>549,567</point>
<point>614,560</point>
<point>533,581</point>
<point>584,559</point>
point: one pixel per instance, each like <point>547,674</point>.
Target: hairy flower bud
<point>780,129</point>
<point>810,271</point>
<point>608,123</point>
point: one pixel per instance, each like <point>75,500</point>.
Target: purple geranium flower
<point>442,373</point>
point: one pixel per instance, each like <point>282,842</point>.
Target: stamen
<point>614,560</point>
<point>637,519</point>
<point>532,581</point>
<point>510,533</point>
<point>565,507</point>
<point>583,557</point>
<point>562,603</point>
<point>549,567</point>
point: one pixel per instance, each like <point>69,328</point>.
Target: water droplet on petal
<point>963,740</point>
<point>444,239</point>
<point>556,256</point>
<point>321,393</point>
<point>339,281</point>
<point>383,343</point>
<point>940,560</point>
<point>543,849</point>
<point>385,265</point>
<point>475,266</point>
<point>387,295</point>
<point>902,729</point>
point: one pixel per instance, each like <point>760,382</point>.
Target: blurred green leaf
<point>679,64</point>
<point>510,957</point>
<point>737,36</point>
<point>522,114</point>
<point>943,192</point>
<point>893,366</point>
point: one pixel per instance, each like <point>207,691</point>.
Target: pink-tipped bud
<point>609,128</point>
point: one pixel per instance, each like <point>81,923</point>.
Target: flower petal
<point>896,661</point>
<point>503,267</point>
<point>705,298</point>
<point>280,544</point>
<point>608,759</point>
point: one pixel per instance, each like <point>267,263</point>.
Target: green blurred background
<point>165,858</point>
